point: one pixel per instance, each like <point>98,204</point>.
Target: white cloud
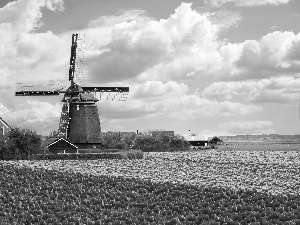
<point>274,27</point>
<point>245,3</point>
<point>249,127</point>
<point>156,89</point>
<point>24,55</point>
<point>273,55</point>
<point>183,107</point>
<point>175,48</point>
<point>225,19</point>
<point>32,114</point>
<point>25,15</point>
<point>124,17</point>
<point>283,90</point>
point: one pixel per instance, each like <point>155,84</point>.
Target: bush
<point>19,144</point>
<point>114,140</point>
<point>159,142</point>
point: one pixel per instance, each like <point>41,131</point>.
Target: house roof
<point>59,139</point>
<point>4,123</point>
<point>196,138</point>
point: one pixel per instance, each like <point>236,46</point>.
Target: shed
<point>61,145</point>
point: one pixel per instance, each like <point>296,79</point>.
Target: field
<point>206,187</point>
<point>260,146</point>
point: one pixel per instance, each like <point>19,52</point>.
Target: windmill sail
<point>39,89</point>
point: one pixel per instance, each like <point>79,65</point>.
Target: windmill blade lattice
<point>39,89</point>
<point>111,96</point>
<point>79,61</point>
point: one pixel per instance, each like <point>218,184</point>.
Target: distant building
<point>4,127</point>
<point>162,132</point>
<point>197,141</point>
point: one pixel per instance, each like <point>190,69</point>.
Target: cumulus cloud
<point>175,48</point>
<point>25,15</point>
<point>34,114</point>
<point>273,55</point>
<point>248,127</point>
<point>283,90</point>
<point>245,3</point>
<point>23,53</point>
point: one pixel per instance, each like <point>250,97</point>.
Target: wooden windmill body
<point>79,122</point>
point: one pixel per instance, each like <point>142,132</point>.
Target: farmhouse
<point>4,127</point>
<point>197,141</point>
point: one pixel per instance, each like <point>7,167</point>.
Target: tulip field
<point>206,187</point>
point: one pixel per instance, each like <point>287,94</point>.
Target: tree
<point>20,144</point>
<point>114,140</point>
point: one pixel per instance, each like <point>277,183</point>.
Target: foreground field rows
<point>163,188</point>
<point>272,172</point>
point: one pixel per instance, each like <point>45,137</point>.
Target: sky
<point>209,67</point>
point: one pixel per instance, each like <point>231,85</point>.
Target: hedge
<point>133,154</point>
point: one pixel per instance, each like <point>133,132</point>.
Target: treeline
<point>22,144</point>
<point>148,141</point>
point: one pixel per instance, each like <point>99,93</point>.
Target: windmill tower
<point>79,122</point>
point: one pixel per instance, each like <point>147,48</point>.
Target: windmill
<point>79,121</point>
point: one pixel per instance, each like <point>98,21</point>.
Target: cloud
<point>284,90</point>
<point>273,55</point>
<point>25,15</point>
<point>273,27</point>
<point>178,47</point>
<point>225,19</point>
<point>156,89</point>
<point>23,53</point>
<point>170,99</point>
<point>124,17</point>
<point>246,3</point>
<point>249,127</point>
<point>34,114</point>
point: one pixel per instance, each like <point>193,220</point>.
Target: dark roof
<point>5,124</point>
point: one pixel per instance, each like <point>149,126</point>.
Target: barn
<point>197,141</point>
<point>61,145</point>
